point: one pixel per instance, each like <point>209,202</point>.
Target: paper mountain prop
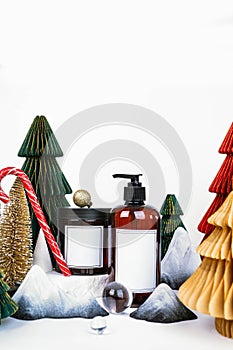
<point>39,297</point>
<point>163,306</point>
<point>210,288</point>
<point>180,261</point>
<point>41,255</point>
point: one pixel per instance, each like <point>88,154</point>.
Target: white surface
<point>124,333</point>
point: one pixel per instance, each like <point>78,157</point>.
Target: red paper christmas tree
<point>222,183</point>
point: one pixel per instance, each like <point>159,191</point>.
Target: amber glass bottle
<point>136,255</point>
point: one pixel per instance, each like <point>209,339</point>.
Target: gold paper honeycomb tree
<point>210,288</point>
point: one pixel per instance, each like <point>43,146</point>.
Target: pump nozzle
<point>134,178</point>
<point>134,192</point>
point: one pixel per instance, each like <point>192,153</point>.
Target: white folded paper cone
<point>41,255</point>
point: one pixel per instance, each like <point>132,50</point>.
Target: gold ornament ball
<point>82,198</point>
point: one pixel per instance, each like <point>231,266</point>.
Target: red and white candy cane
<point>38,212</point>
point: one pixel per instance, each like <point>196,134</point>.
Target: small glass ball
<point>98,324</point>
<point>116,297</point>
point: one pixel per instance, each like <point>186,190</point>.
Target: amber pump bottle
<point>136,255</point>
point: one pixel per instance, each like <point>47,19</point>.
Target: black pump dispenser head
<point>134,192</point>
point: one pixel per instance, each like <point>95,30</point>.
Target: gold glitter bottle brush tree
<point>15,237</point>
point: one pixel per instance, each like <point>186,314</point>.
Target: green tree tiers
<point>7,306</point>
<point>222,183</point>
<point>171,220</point>
<point>15,237</point>
<point>40,148</point>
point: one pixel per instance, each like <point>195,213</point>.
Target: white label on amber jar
<point>136,259</point>
<point>84,246</point>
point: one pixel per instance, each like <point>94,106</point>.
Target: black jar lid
<point>85,213</point>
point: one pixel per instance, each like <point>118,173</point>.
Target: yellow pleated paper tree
<point>210,288</point>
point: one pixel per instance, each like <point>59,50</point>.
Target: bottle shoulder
<point>136,217</point>
<point>133,208</point>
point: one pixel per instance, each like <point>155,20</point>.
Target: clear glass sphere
<point>98,324</point>
<point>116,297</point>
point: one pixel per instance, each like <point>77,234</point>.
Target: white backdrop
<point>58,58</point>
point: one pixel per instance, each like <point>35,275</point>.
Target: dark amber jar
<point>85,240</point>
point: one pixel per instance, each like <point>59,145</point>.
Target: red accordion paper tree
<point>222,183</point>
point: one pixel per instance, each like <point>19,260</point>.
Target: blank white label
<point>84,246</point>
<point>136,259</point>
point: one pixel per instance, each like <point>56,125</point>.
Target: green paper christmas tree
<point>40,147</point>
<point>171,220</point>
<point>7,306</point>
